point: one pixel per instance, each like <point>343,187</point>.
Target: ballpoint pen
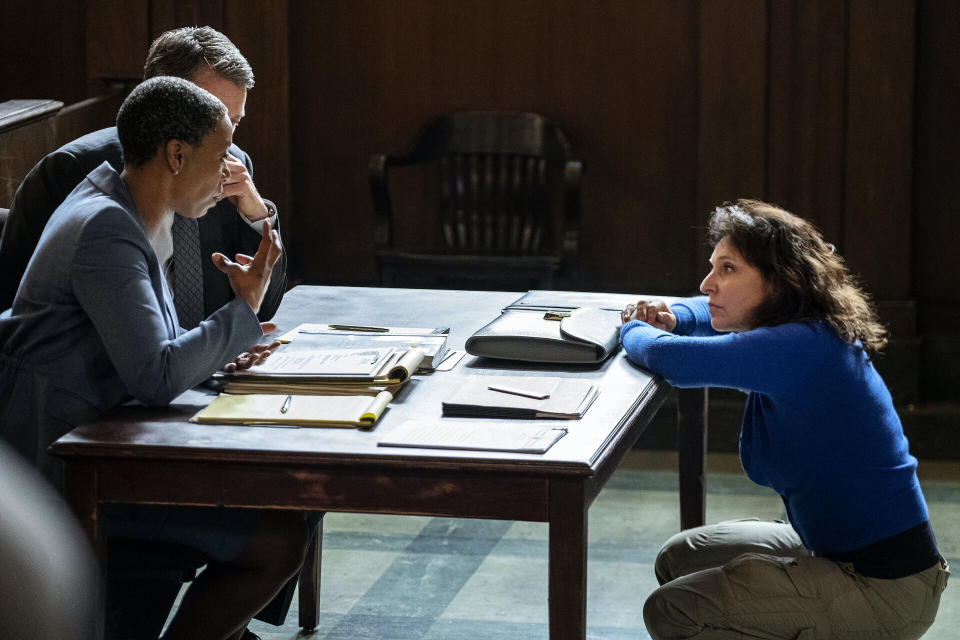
<point>353,327</point>
<point>536,395</point>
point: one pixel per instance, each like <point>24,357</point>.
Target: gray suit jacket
<point>93,324</point>
<point>55,176</point>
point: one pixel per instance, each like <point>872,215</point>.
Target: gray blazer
<point>53,178</point>
<point>93,323</point>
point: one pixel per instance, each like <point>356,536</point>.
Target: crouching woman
<point>783,320</point>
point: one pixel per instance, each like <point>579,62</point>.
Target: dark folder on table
<point>553,327</point>
<point>521,397</point>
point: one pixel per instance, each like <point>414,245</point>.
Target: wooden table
<point>150,455</point>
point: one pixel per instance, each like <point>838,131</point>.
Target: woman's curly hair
<point>808,279</point>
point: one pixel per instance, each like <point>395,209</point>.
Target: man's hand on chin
<point>241,191</point>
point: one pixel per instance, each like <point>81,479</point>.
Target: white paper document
<point>433,342</point>
<point>442,434</point>
<point>314,362</point>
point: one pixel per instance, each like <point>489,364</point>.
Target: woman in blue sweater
<point>783,320</point>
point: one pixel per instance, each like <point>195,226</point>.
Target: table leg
<point>692,448</point>
<point>80,482</point>
<point>568,560</point>
<point>309,585</point>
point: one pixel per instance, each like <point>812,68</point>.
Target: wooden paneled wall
<point>673,106</point>
<point>935,210</point>
<point>42,50</point>
<point>843,111</point>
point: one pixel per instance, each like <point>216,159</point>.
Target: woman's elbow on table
<point>154,396</point>
<point>156,385</point>
<point>639,342</point>
<point>652,350</point>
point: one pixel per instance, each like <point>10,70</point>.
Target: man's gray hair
<point>187,51</point>
<point>162,109</point>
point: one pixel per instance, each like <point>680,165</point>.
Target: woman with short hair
<point>93,324</point>
<point>783,320</point>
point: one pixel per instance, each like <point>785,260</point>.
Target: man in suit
<point>207,58</point>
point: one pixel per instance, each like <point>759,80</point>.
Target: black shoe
<point>249,635</point>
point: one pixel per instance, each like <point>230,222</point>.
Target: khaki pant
<point>752,579</point>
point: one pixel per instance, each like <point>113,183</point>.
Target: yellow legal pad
<point>295,410</point>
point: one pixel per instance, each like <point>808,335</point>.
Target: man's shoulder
<point>92,149</point>
<point>70,163</point>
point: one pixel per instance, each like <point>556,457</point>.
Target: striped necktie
<point>187,273</point>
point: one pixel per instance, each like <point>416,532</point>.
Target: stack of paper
<point>327,371</point>
<point>521,397</point>
<point>432,342</point>
<point>326,375</point>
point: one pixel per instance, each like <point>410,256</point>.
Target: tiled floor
<point>399,578</point>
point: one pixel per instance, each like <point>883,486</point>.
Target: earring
<point>177,172</point>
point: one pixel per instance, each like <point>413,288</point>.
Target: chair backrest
<point>502,179</point>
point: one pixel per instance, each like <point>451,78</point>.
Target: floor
<point>400,578</point>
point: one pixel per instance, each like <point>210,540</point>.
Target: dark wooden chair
<point>495,205</point>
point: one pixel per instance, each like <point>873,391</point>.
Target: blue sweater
<point>819,426</point>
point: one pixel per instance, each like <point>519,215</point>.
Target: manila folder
<point>296,410</point>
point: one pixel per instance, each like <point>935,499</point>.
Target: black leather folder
<point>553,327</point>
